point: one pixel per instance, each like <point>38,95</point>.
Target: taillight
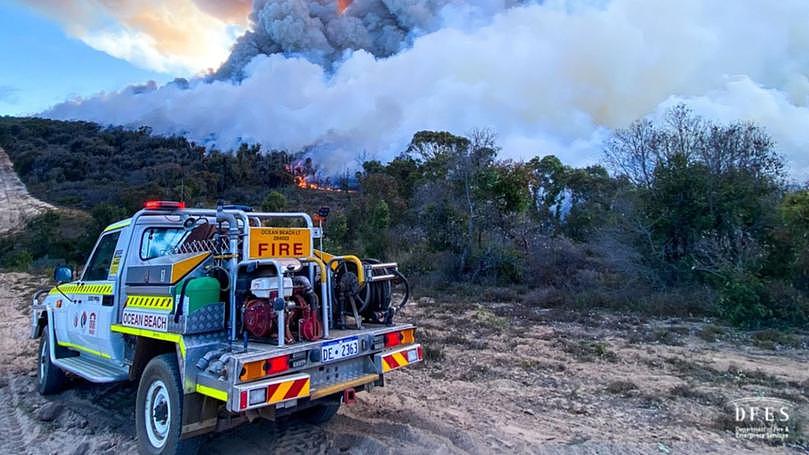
<point>406,336</point>
<point>252,370</point>
<point>260,368</point>
<point>393,339</point>
<point>277,364</point>
<point>243,399</point>
<point>421,353</point>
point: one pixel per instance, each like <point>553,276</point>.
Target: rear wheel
<point>159,409</point>
<point>321,412</point>
<point>50,377</point>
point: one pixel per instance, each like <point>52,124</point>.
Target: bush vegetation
<point>685,216</point>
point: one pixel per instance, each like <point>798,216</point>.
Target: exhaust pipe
<point>349,396</point>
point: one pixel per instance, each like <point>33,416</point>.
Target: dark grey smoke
<point>317,31</point>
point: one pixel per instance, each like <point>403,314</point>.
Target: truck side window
<point>160,241</point>
<point>99,265</point>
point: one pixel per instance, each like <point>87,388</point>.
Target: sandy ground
<point>16,205</point>
<point>498,379</point>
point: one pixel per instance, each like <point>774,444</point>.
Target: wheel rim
<point>43,357</point>
<point>157,413</point>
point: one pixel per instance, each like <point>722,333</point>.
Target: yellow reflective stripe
<point>280,392</point>
<point>84,289</point>
<point>172,337</point>
<point>150,302</point>
<point>400,359</point>
<point>118,225</point>
<point>211,392</point>
<point>83,349</point>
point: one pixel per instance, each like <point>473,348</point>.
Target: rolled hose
<point>381,292</point>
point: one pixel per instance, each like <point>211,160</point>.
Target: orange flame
<point>342,5</point>
<point>306,178</point>
<point>303,178</point>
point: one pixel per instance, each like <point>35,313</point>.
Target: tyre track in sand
<point>11,430</point>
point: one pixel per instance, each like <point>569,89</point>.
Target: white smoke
<point>550,78</point>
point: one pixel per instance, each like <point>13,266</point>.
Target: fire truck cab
<point>221,316</point>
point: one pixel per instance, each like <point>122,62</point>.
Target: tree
<point>699,180</point>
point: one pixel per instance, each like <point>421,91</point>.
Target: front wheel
<point>50,377</point>
<point>159,409</point>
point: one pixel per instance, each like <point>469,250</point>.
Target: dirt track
<point>16,205</point>
<point>541,386</point>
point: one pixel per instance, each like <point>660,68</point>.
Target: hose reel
<point>385,292</point>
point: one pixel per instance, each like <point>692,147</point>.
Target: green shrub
<point>274,202</point>
<point>743,301</point>
<point>747,300</point>
<point>18,261</point>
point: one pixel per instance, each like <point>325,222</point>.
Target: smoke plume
<point>323,30</point>
<point>549,78</point>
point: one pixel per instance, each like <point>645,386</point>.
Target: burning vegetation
<point>307,177</point>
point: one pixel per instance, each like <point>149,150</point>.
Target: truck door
<point>93,308</point>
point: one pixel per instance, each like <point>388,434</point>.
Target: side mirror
<point>63,274</point>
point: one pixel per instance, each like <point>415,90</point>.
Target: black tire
<point>321,412</point>
<point>50,378</point>
<point>160,385</point>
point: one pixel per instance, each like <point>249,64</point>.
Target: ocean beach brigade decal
<point>91,328</point>
<point>149,321</point>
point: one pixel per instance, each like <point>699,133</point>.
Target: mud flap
<point>199,414</point>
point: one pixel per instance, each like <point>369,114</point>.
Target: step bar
<point>82,365</point>
<point>92,370</point>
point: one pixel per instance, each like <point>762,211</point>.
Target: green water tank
<point>198,293</point>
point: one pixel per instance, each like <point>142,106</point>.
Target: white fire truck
<point>222,316</point>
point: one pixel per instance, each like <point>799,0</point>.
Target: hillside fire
<point>305,175</point>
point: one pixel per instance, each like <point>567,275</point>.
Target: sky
<point>53,50</point>
<point>40,65</point>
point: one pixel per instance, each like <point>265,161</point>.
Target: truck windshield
<point>159,241</point>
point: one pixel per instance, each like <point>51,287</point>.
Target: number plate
<point>340,349</point>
